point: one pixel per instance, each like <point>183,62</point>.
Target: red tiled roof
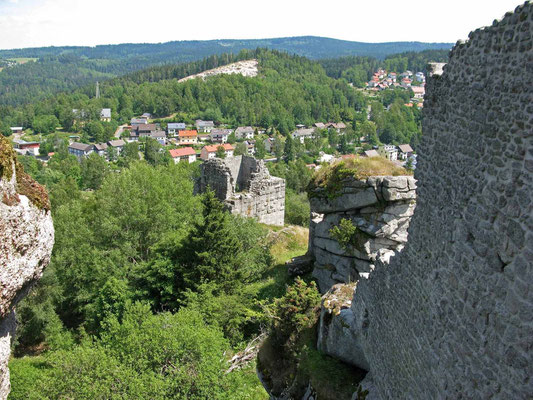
<point>213,148</point>
<point>188,133</point>
<point>186,151</point>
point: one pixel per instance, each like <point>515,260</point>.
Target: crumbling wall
<point>26,240</point>
<point>450,316</point>
<point>380,209</point>
<point>247,188</point>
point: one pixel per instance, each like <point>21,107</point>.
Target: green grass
<point>22,60</point>
<point>30,136</point>
<point>331,178</point>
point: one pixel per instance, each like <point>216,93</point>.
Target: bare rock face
<point>26,241</point>
<point>379,207</point>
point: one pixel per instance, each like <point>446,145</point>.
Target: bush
<point>297,208</point>
<point>295,311</point>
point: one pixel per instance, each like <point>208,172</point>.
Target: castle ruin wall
<point>246,187</point>
<point>451,315</point>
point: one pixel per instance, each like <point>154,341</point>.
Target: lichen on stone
<point>7,156</point>
<point>25,185</point>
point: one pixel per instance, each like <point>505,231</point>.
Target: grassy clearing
<point>22,60</point>
<point>288,242</point>
<point>331,178</point>
<point>30,136</point>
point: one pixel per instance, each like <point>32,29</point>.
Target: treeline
<point>34,81</point>
<point>414,61</point>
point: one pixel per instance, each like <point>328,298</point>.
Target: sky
<point>36,23</point>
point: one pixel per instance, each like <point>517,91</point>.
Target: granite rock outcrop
<point>380,209</point>
<point>26,241</point>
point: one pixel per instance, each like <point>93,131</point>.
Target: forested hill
<point>58,69</point>
<point>309,46</point>
<point>289,90</point>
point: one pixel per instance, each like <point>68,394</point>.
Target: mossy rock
<point>333,178</point>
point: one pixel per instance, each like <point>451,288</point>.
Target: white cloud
<point>25,23</point>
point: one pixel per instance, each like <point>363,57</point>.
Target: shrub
<point>294,312</point>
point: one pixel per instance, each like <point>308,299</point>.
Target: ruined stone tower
<point>247,188</point>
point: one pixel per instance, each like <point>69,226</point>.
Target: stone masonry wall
<point>451,315</point>
<point>247,188</point>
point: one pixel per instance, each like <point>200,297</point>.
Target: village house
<point>326,158</point>
<point>405,151</point>
<point>138,121</point>
<point>142,130</point>
<point>418,91</point>
<point>187,137</point>
<point>100,149</point>
<point>319,125</point>
<point>16,130</point>
<point>338,126</point>
<point>186,154</point>
<point>160,136</point>
<point>204,137</point>
<point>146,116</point>
<point>370,153</point>
<point>80,149</point>
<point>220,135</point>
<point>406,83</point>
<point>209,152</point>
<point>388,151</point>
<point>244,132</point>
<point>302,134</point>
<point>26,148</point>
<point>270,145</point>
<point>174,127</point>
<point>250,146</point>
<point>118,145</point>
<point>204,126</point>
<point>105,115</point>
